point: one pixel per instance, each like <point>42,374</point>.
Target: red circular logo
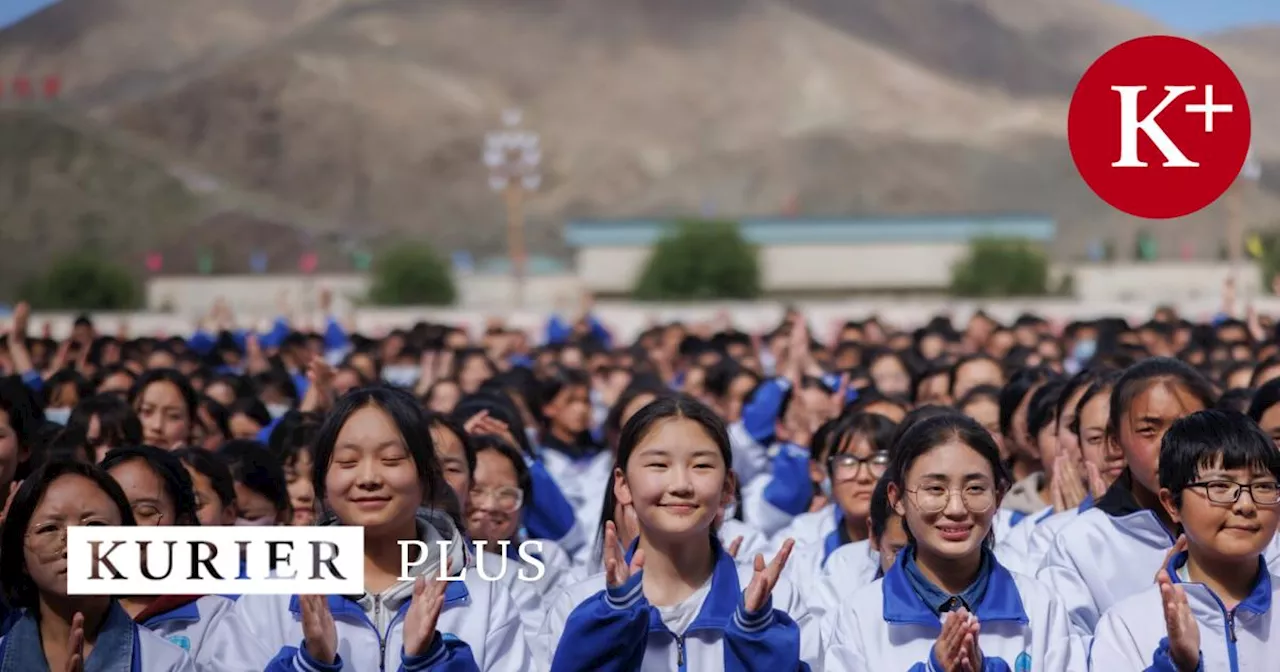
<point>1159,127</point>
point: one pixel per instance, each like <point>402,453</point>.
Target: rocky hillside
<point>365,118</point>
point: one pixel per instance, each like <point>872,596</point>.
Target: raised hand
<point>617,571</point>
<point>971,656</point>
<point>1066,487</point>
<point>1180,623</point>
<point>1097,484</point>
<point>424,611</point>
<point>318,630</point>
<point>734,547</point>
<point>75,645</point>
<point>766,578</point>
<point>949,650</point>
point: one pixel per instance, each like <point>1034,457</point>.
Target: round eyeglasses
<point>504,499</point>
<point>935,498</point>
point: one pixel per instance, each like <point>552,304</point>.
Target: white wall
<point>1164,281</point>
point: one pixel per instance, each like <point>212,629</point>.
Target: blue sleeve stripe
<point>626,595</point>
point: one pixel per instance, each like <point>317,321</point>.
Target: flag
<point>1254,245</point>
<point>52,86</point>
<point>204,262</point>
<point>258,261</point>
<point>362,260</point>
<point>308,262</point>
<point>155,262</point>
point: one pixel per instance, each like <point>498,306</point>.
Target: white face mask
<point>401,375</point>
<point>58,415</point>
<point>278,410</point>
<point>264,522</point>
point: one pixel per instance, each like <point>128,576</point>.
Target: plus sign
<point>1208,109</point>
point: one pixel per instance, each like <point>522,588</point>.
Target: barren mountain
<point>366,118</point>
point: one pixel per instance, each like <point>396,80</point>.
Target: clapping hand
<point>1180,623</point>
<point>319,633</point>
<point>75,645</point>
<point>766,578</point>
<point>424,611</point>
<point>617,570</point>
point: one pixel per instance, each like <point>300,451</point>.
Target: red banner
<point>309,262</point>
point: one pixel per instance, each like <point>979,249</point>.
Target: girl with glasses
<point>947,603</point>
<point>58,631</point>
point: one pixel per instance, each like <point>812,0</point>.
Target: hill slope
<point>369,116</point>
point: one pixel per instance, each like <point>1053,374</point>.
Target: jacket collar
<point>117,648</point>
<point>169,608</point>
<point>722,598</point>
<point>1118,501</point>
<point>349,606</point>
<point>902,605</point>
<point>1259,599</point>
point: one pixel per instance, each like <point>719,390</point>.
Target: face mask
<point>265,522</point>
<point>825,486</point>
<point>532,435</point>
<point>401,376</point>
<point>58,415</point>
<point>277,410</point>
<point>1084,351</point>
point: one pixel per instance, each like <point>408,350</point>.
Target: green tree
<point>700,260</point>
<point>1001,267</point>
<point>411,274</point>
<point>83,281</point>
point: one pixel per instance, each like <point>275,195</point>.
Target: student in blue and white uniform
<point>375,466</point>
<point>579,467</point>
<point>1112,550</point>
<point>160,491</point>
<point>1219,476</point>
<point>855,565</point>
<point>855,448</point>
<point>58,631</point>
<point>1103,462</point>
<point>1019,446</point>
<point>676,599</point>
<point>947,603</point>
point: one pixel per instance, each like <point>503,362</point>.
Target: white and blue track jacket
<point>887,626</point>
<point>594,629</point>
<point>1132,634</point>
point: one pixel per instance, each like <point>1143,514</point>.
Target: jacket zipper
<point>377,628</point>
<point>680,661</point>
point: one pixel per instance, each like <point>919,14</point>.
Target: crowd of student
<point>998,497</point>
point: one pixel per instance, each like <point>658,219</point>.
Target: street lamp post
<point>513,156</point>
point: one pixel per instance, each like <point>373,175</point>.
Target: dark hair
<point>20,591</point>
<point>454,427</point>
<point>177,482</point>
<point>295,432</point>
<point>638,427</point>
<point>1016,390</point>
<point>65,377</point>
<point>20,404</point>
<point>500,407</point>
<point>1139,377</point>
<point>409,419</point>
<point>640,386</point>
<point>218,413</point>
<point>1077,383</point>
<point>1213,439</point>
<point>106,372</point>
<point>954,374</point>
<point>881,511</point>
<point>976,394</point>
<point>923,436</point>
<point>252,408</point>
<point>844,430</point>
<point>524,480</point>
<point>254,467</point>
<point>562,379</point>
<point>1264,398</point>
<point>1043,408</point>
<point>1237,400</point>
<point>213,467</point>
<point>1104,383</point>
<point>171,376</point>
<point>118,425</point>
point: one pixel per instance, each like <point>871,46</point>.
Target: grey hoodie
<point>434,526</point>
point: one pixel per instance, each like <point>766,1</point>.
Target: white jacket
<point>1019,538</point>
<point>188,627</point>
<point>753,541</point>
<point>807,529</point>
<point>583,483</point>
<point>1132,634</point>
<point>598,630</point>
<point>479,626</point>
<point>886,626</point>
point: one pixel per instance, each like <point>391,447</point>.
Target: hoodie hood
<point>433,526</point>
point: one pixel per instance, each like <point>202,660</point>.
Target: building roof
<point>824,230</point>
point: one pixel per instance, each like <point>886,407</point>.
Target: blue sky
<point>1183,15</point>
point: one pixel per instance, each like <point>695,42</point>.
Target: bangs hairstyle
<point>1264,398</point>
<point>409,419</point>
<point>171,376</point>
<point>927,434</point>
<point>1041,411</point>
<point>169,469</point>
<point>20,591</point>
<point>1016,390</point>
<point>1213,439</point>
<point>1156,371</point>
<point>1102,385</point>
<point>843,432</point>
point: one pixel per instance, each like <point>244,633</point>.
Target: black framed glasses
<point>1228,492</point>
<point>844,466</point>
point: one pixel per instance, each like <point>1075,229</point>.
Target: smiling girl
<point>947,604</point>
<point>376,468</point>
<point>676,599</point>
